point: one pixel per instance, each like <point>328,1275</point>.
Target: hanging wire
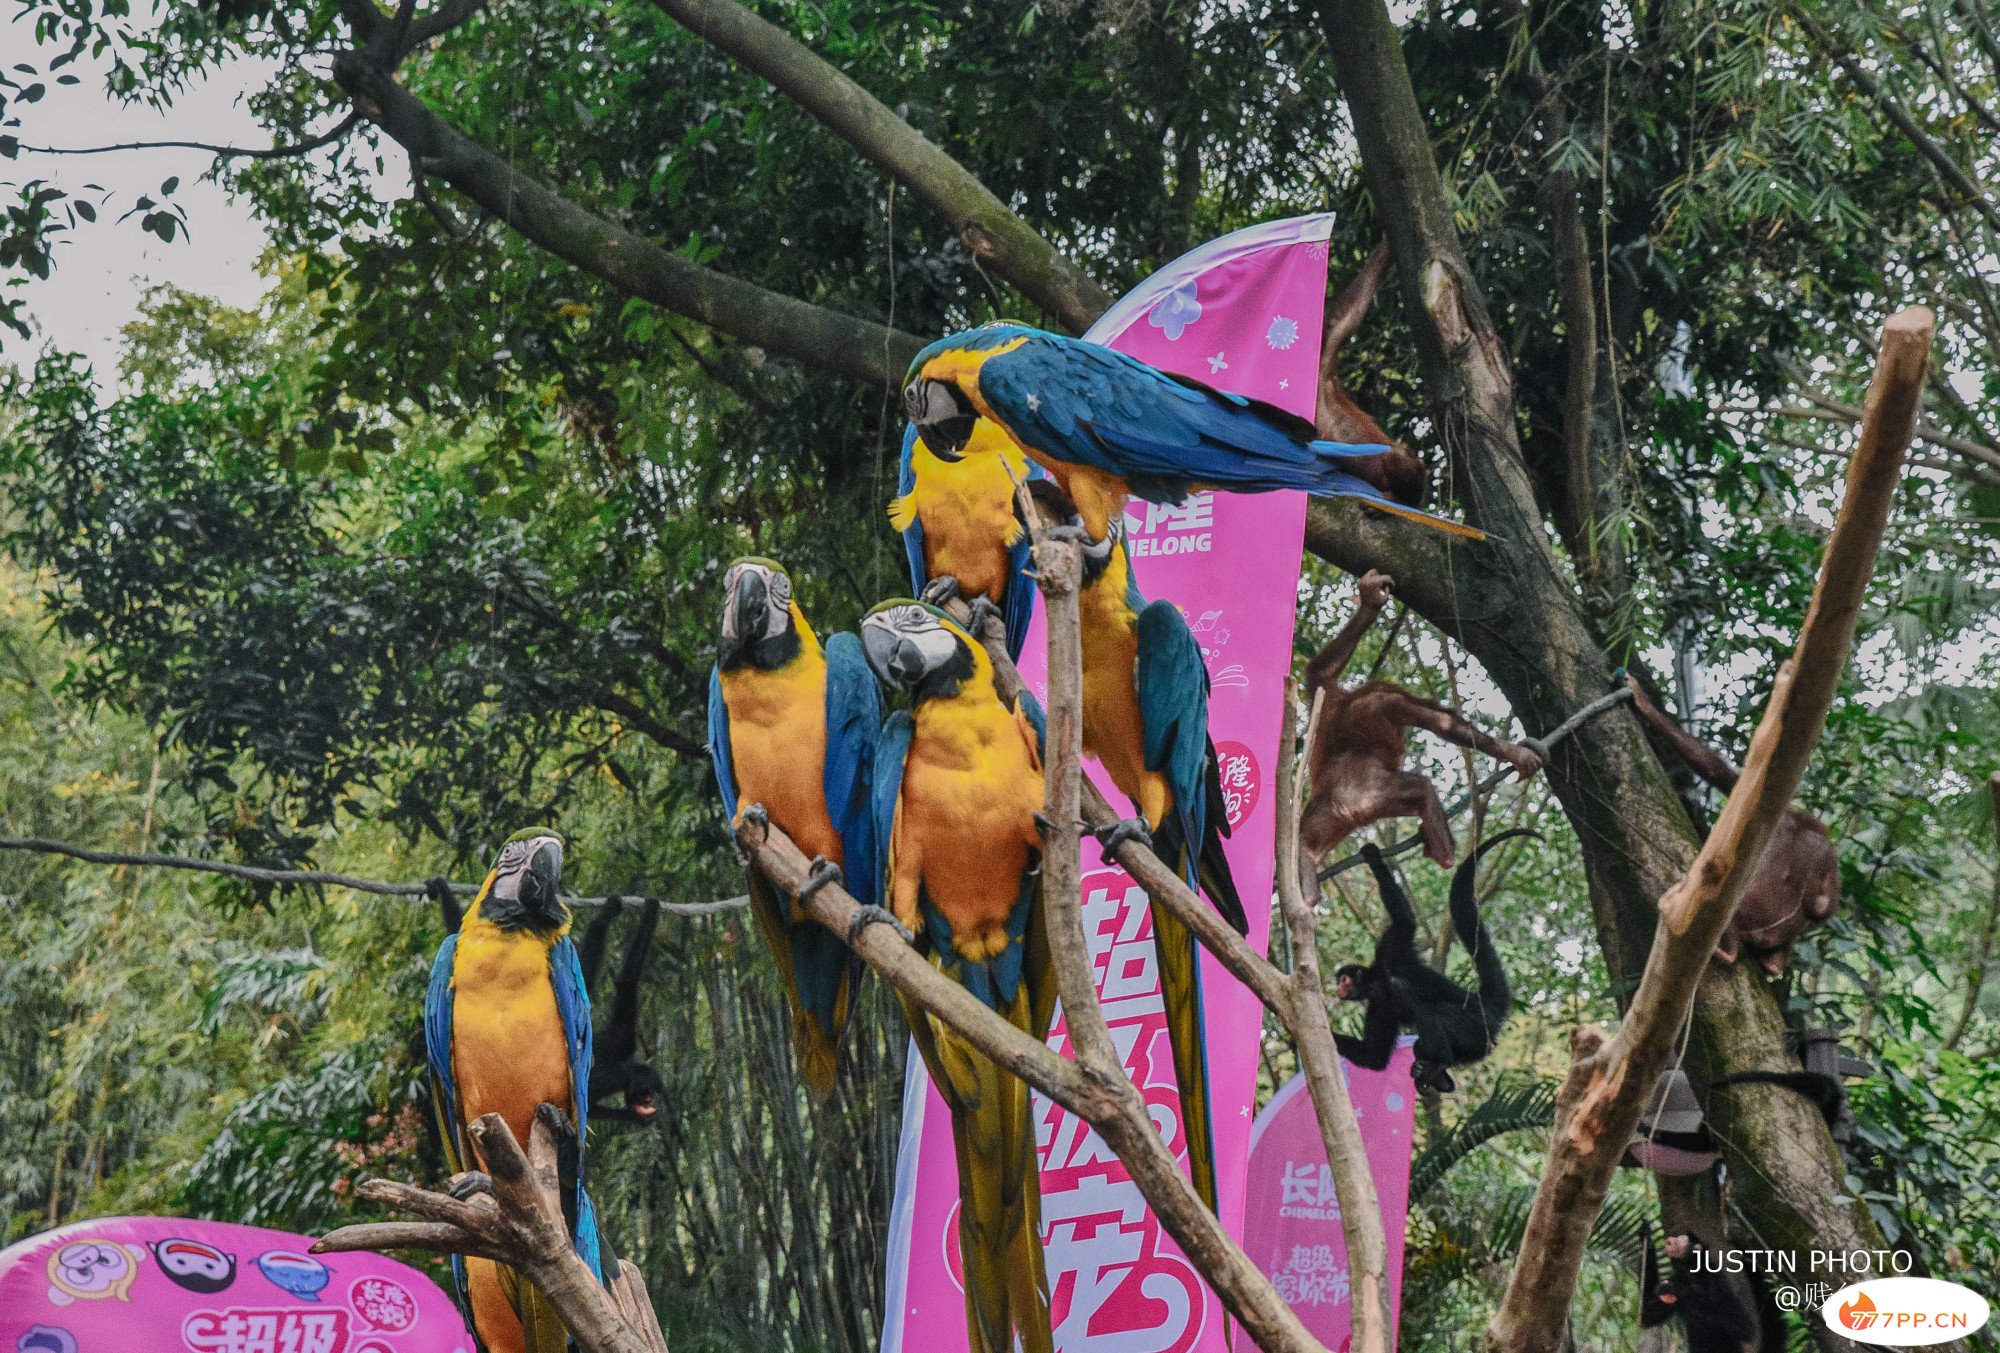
<point>325,878</point>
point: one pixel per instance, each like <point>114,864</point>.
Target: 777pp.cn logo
<point>1905,1312</point>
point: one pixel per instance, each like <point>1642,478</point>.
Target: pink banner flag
<point>1244,314</point>
<point>1292,1228</point>
<point>169,1285</point>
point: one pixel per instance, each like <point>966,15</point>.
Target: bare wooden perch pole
<point>521,1225</point>
<point>1609,1082</point>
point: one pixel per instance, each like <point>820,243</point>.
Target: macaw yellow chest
<point>777,745</point>
<point>1113,730</point>
<point>508,1052</point>
<point>967,511</point>
<point>971,788</point>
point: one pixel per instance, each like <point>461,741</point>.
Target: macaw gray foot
<point>824,871</point>
<point>752,815</point>
<point>1121,832</point>
<point>982,611</point>
<point>940,591</point>
<point>468,1183</point>
<point>873,915</point>
<point>1073,531</point>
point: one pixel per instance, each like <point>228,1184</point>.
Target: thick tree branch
<point>782,325</point>
<point>998,238</point>
<point>1587,1146</point>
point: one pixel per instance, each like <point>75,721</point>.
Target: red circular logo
<point>1241,780</point>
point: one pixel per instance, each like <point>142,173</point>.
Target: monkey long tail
<point>1496,1002</point>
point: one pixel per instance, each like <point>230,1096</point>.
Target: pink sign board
<point>166,1285</point>
<point>1292,1218</point>
<point>1244,314</point>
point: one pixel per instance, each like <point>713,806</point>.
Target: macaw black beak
<point>541,885</point>
<point>745,621</point>
<point>943,417</point>
<point>895,660</point>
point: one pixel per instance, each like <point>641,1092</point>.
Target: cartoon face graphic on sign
<point>45,1339</point>
<point>92,1270</point>
<point>299,1274</point>
<point>195,1266</point>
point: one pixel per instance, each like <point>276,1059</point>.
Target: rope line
<point>325,878</point>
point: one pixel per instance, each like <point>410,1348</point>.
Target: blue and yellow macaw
<point>958,784</point>
<point>1145,719</point>
<point>791,731</point>
<point>958,521</point>
<point>507,1028</point>
<point>1108,426</point>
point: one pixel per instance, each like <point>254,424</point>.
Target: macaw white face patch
<point>512,866</point>
<point>905,643</point>
<point>777,589</point>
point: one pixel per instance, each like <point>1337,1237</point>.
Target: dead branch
<point>1615,1080</point>
<point>519,1224</point>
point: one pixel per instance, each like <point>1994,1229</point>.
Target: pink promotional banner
<point>1292,1228</point>
<point>1244,314</point>
<point>168,1285</point>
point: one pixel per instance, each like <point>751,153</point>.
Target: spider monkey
<point>1454,1027</point>
<point>1797,882</point>
<point>1396,472</point>
<point>617,1069</point>
<point>1355,765</point>
<point>1715,1318</point>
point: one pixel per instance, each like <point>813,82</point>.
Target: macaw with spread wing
<point>791,731</point>
<point>958,522</point>
<point>1108,426</point>
<point>958,785</point>
<point>1145,719</point>
<point>507,1029</point>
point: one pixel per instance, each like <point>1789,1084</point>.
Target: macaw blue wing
<point>1098,407</point>
<point>437,1051</point>
<point>1172,685</point>
<point>1020,604</point>
<point>853,724</point>
<point>573,1008</point>
<point>891,748</point>
<point>718,744</point>
<point>913,538</point>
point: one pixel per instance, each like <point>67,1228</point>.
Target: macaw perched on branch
<point>1145,719</point>
<point>1108,426</point>
<point>958,788</point>
<point>958,522</point>
<point>791,731</point>
<point>507,1030</point>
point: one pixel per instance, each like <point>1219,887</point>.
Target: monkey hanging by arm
<point>1354,768</point>
<point>1796,884</point>
<point>1454,1027</point>
<point>618,1069</point>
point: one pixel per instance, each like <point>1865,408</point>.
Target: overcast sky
<point>103,269</point>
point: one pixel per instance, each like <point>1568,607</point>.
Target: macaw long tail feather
<point>1180,988</point>
<point>999,1196</point>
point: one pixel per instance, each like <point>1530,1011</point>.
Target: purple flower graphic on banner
<point>1176,310</point>
<point>1282,333</point>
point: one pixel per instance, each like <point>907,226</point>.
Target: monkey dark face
<point>1350,982</point>
<point>1679,1247</point>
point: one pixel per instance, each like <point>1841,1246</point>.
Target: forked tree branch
<point>1612,1083</point>
<point>998,238</point>
<point>519,1224</point>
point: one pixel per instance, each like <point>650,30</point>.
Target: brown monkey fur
<point>1797,883</point>
<point>1354,767</point>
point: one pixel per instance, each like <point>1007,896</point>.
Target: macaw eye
<point>909,620</point>
<point>781,592</point>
